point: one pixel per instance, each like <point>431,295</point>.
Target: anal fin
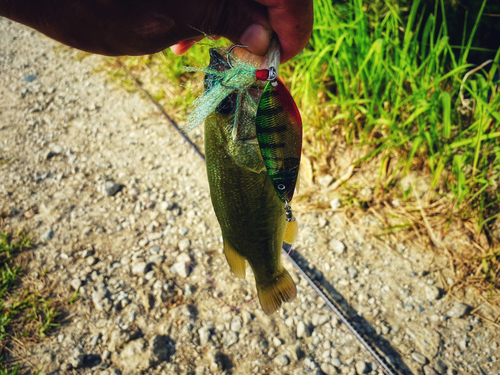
<point>281,289</point>
<point>291,231</point>
<point>235,260</point>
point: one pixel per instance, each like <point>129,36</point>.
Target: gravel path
<point>120,209</point>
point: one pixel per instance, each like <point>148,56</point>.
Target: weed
<point>23,312</point>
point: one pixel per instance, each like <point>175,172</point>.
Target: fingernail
<point>257,38</point>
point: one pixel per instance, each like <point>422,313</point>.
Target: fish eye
<point>227,105</point>
<point>281,187</point>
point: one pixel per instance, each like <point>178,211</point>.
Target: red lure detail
<point>262,74</point>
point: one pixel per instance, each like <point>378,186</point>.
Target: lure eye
<point>281,187</point>
<point>227,105</point>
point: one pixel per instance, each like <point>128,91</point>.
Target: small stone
<point>111,187</point>
<point>325,180</point>
<point>229,338</point>
<point>76,284</point>
<point>336,362</point>
<point>458,310</point>
<point>204,334</point>
<point>353,272</point>
<point>183,244</point>
<point>276,341</point>
<point>140,268</point>
<point>303,330</point>
<point>133,355</point>
<point>91,261</point>
<point>57,150</point>
<point>431,292</point>
<point>419,358</point>
<point>105,354</point>
<point>429,371</point>
<point>337,246</point>
<point>282,360</point>
<point>328,369</point>
<point>48,235</point>
<point>440,367</point>
<point>150,275</point>
<point>181,268</point>
<point>76,359</point>
<point>365,194</point>
<point>236,324</point>
<point>156,259</point>
<point>319,319</point>
<point>335,204</point>
<point>361,367</point>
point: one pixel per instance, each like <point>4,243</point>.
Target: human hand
<point>252,25</point>
<point>138,27</point>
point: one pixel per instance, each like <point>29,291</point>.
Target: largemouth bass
<point>250,213</point>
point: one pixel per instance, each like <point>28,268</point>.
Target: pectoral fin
<point>235,260</point>
<point>281,289</point>
<point>291,232</point>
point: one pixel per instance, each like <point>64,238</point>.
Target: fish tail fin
<point>280,289</point>
<point>291,231</point>
<point>235,260</point>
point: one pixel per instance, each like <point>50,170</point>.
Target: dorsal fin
<point>235,260</point>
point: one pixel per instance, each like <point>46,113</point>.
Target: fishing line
<point>332,305</point>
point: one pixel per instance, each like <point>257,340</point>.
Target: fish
<point>250,213</point>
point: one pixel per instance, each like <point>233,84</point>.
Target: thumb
<point>257,38</point>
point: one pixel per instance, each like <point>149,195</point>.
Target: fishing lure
<point>279,133</point>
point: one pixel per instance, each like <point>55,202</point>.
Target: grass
<point>24,314</point>
<point>386,81</point>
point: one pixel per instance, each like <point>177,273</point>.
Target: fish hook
<point>229,53</point>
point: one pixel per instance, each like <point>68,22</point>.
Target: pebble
<point>336,203</point>
<point>336,362</point>
<point>325,180</point>
<point>431,292</point>
<point>328,369</point>
<point>76,284</point>
<point>204,334</point>
<point>302,330</point>
<point>46,236</point>
<point>459,310</point>
<point>140,268</point>
<point>276,341</point>
<point>319,319</point>
<point>429,371</point>
<point>156,259</point>
<point>419,358</point>
<point>183,244</point>
<point>111,187</point>
<point>361,367</point>
<point>99,298</point>
<point>76,359</point>
<point>181,268</point>
<point>229,338</point>
<point>337,246</point>
<point>282,360</point>
<point>353,272</point>
<point>236,324</point>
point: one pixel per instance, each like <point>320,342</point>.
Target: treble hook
<point>229,53</point>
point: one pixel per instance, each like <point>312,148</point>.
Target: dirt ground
<point>118,207</point>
